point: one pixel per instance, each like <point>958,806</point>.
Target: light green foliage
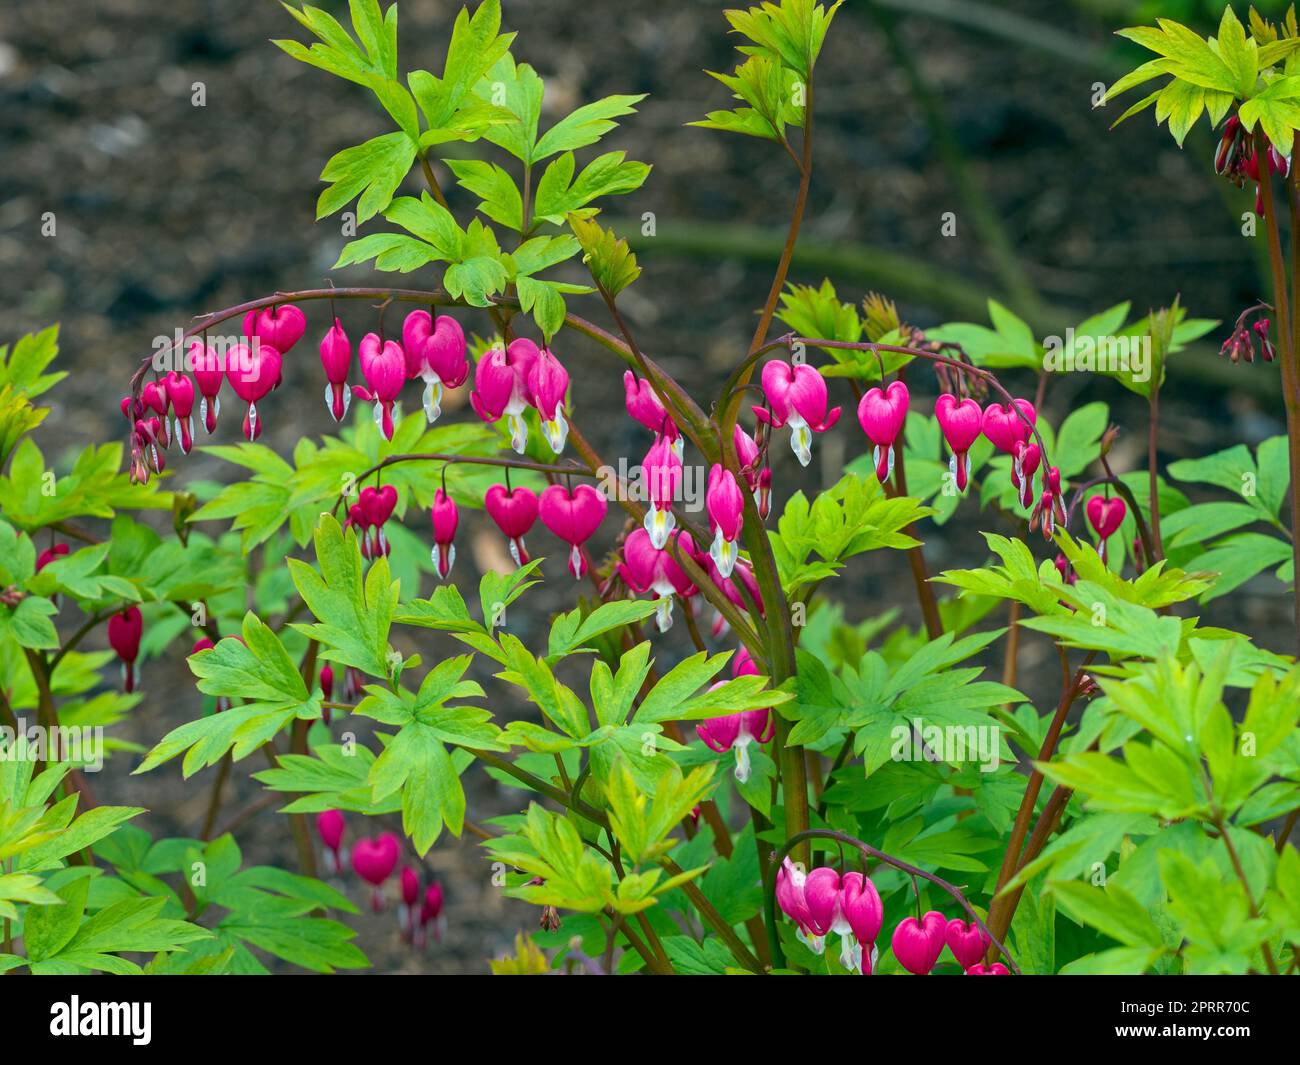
<point>1256,69</point>
<point>774,81</point>
<point>482,93</point>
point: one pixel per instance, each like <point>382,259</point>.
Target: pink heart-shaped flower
<point>281,326</point>
<point>330,826</point>
<point>375,859</point>
<point>961,422</point>
<point>918,944</point>
<point>573,517</point>
<point>882,414</point>
<point>966,941</point>
<point>416,331</point>
<point>515,511</point>
<point>860,902</point>
<point>180,393</point>
<point>822,893</point>
<point>252,373</point>
<point>208,366</point>
<point>1106,515</point>
<point>383,365</point>
<point>1004,427</point>
<point>125,629</point>
<point>377,503</point>
<point>1027,456</point>
<point>445,352</point>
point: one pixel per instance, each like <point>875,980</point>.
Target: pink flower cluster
<point>822,902</point>
<point>917,944</point>
<point>508,380</point>
<point>374,860</point>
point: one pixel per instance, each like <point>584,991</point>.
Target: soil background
<point>165,210</point>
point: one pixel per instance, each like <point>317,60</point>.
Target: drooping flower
<point>125,629</point>
<point>147,443</point>
<point>154,397</point>
<point>573,517</point>
<point>646,568</point>
<point>131,408</point>
<point>1106,516</point>
<point>661,473</point>
<point>431,915</point>
<point>501,387</point>
<point>961,424</point>
<point>861,907</point>
<point>1005,427</point>
<point>1261,328</point>
<point>967,941</point>
<point>336,358</point>
<point>180,395</point>
<point>548,381</point>
<point>726,509</point>
<point>1050,510</point>
<point>330,826</point>
<point>850,907</point>
<point>1062,565</point>
<point>918,944</point>
<point>1249,168</point>
<point>796,396</point>
<point>747,455</point>
<point>791,885</point>
<point>1230,155</point>
<point>408,913</point>
<point>996,969</point>
<point>374,861</point>
<point>383,365</point>
<point>644,405</point>
<point>252,374</point>
<point>281,326</point>
<point>515,512</point>
<point>1025,458</point>
<point>735,732</point>
<point>882,415</point>
<point>208,367</point>
<point>377,506</point>
<point>435,353</point>
<point>445,519</point>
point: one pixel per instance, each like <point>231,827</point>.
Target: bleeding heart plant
<point>733,737</point>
